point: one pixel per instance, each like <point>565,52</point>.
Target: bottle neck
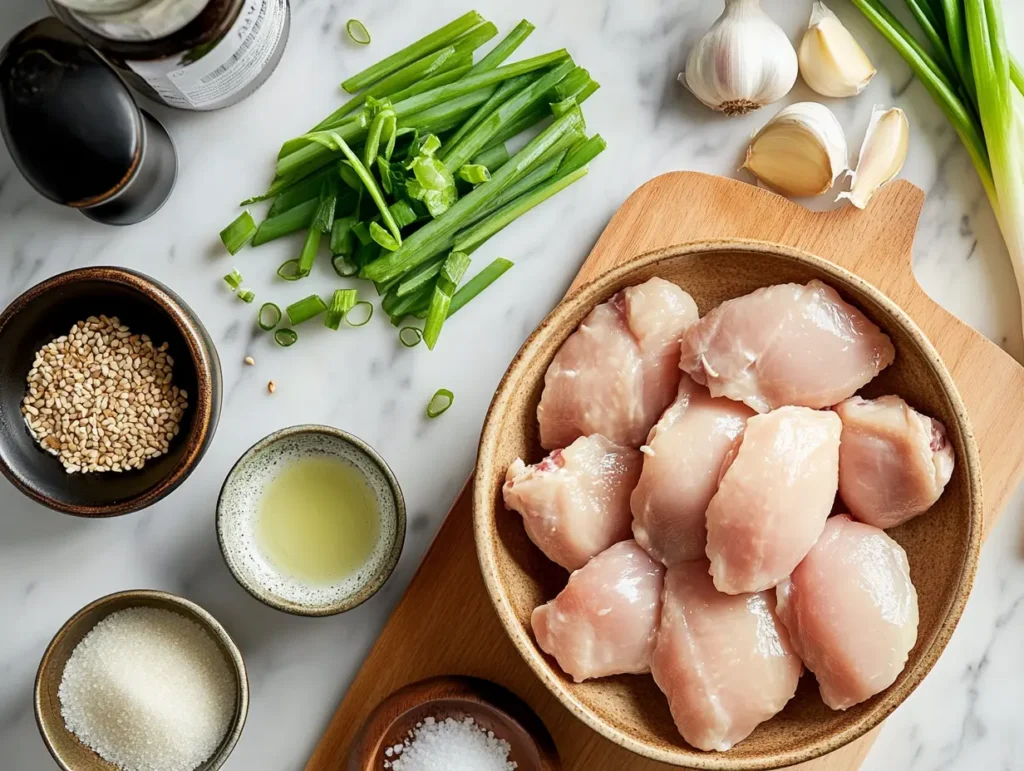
<point>134,20</point>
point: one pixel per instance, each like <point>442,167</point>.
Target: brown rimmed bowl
<point>491,707</point>
<point>47,311</point>
<point>69,753</point>
<point>943,545</point>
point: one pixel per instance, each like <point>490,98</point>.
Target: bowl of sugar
<point>140,680</point>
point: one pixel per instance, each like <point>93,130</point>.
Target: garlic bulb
<point>743,62</point>
<point>800,151</point>
<point>881,156</point>
<point>831,61</point>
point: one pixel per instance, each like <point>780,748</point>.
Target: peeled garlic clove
<point>831,60</point>
<point>800,151</point>
<point>881,156</point>
<point>743,62</point>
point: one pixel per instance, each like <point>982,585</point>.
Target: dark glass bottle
<point>190,54</point>
<point>75,132</point>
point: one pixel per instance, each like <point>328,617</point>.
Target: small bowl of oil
<point>311,521</point>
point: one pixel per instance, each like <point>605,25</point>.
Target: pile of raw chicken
<point>695,468</point>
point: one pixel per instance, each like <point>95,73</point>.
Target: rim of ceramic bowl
<point>194,612</point>
<point>388,564</point>
<point>202,356</point>
<point>596,291</point>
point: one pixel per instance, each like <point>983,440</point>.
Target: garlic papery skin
<point>800,152</point>
<point>743,62</point>
<point>831,61</point>
<point>881,156</point>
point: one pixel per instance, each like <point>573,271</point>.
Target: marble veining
<point>966,715</point>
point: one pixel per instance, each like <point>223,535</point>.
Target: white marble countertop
<point>967,714</point>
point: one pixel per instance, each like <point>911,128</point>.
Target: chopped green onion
<point>376,134</point>
<point>478,284</point>
<point>342,302</point>
<point>493,157</point>
<point>357,32</point>
<point>323,219</point>
<point>238,233</point>
<point>278,225</point>
<point>364,321</point>
<point>275,316</point>
<point>452,271</point>
<point>308,254</point>
<point>343,266</point>
<point>440,402</point>
<point>403,213</point>
<point>423,275</point>
<point>285,337</point>
<point>233,279</point>
<point>289,271</point>
<point>361,230</point>
<point>246,295</point>
<point>342,236</point>
<point>302,191</point>
<point>498,98</point>
<point>474,174</point>
<point>410,337</point>
<point>505,48</point>
<point>305,309</point>
<point>383,237</point>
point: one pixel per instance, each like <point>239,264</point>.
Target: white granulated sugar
<point>148,690</point>
<point>451,745</point>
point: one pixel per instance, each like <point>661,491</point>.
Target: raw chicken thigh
<point>725,662</point>
<point>618,372</point>
<point>786,345</point>
<point>773,499</point>
<point>894,462</point>
<point>605,621</point>
<point>851,611</point>
<point>682,462</point>
<point>575,502</point>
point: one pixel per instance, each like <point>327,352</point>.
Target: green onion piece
<point>342,236</point>
<point>343,266</point>
<point>454,268</point>
<point>367,253</point>
<point>286,337</point>
<point>582,154</point>
<point>290,221</point>
<point>305,309</point>
<point>420,277</point>
<point>246,295</point>
<point>493,158</point>
<point>357,32</point>
<point>300,192</point>
<point>376,132</point>
<point>341,303</point>
<point>323,219</point>
<point>308,254</point>
<point>365,320</point>
<point>498,98</point>
<point>361,230</point>
<point>436,81</point>
<point>266,324</point>
<point>404,213</point>
<point>238,233</point>
<point>474,174</point>
<point>452,271</point>
<point>425,45</point>
<point>478,284</point>
<point>289,271</point>
<point>410,337</point>
<point>505,48</point>
<point>440,402</point>
<point>383,237</point>
<point>233,279</point>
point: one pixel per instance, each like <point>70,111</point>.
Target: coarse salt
<point>148,690</point>
<point>450,745</point>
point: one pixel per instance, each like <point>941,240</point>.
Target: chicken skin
<point>682,461</point>
<point>789,344</point>
<point>618,372</point>
<point>894,462</point>
<point>575,502</point>
<point>605,620</point>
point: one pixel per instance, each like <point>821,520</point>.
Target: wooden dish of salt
<point>491,707</point>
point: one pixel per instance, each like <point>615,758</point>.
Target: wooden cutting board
<point>445,623</point>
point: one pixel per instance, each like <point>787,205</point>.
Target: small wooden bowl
<point>491,707</point>
<point>942,546</point>
<point>47,311</point>
<point>64,746</point>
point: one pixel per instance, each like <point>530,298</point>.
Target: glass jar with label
<point>190,54</point>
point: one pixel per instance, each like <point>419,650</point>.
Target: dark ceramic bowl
<point>47,311</point>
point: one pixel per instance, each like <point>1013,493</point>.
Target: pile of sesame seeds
<point>101,399</point>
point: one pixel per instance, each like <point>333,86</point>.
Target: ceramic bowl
<point>238,510</point>
<point>491,707</point>
<point>943,545</point>
<point>64,746</point>
<point>47,311</point>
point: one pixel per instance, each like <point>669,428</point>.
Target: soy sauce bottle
<point>75,132</point>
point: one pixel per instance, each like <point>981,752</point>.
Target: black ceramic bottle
<point>75,132</point>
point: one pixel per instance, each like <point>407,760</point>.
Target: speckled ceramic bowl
<point>69,753</point>
<point>238,510</point>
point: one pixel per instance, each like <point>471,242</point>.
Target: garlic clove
<point>743,62</point>
<point>831,60</point>
<point>800,152</point>
<point>881,156</point>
